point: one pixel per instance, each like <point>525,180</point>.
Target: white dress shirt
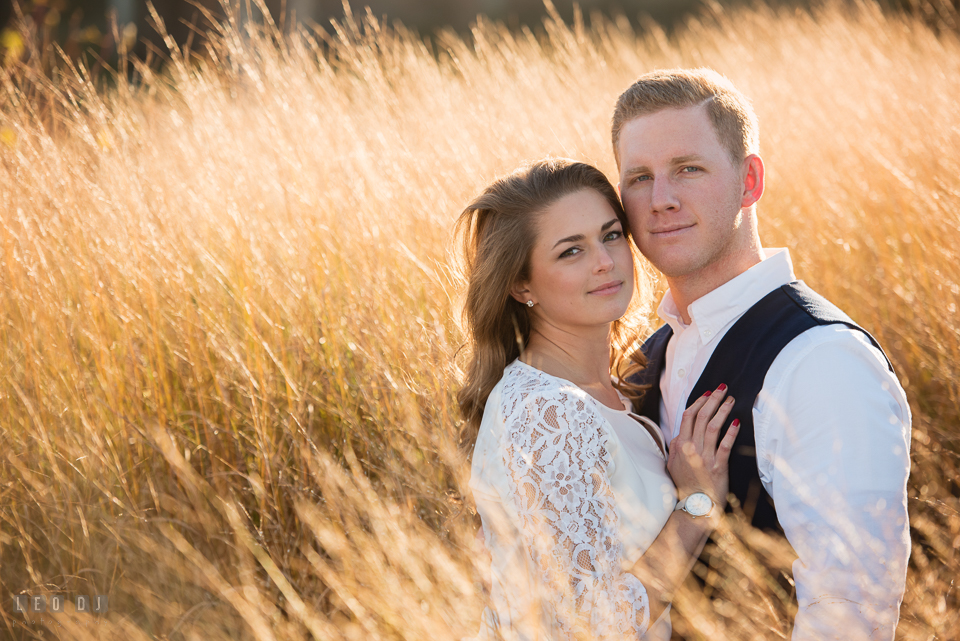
<point>832,428</point>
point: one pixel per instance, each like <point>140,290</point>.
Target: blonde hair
<point>496,234</point>
<point>729,110</point>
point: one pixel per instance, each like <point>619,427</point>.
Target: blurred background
<point>229,296</point>
<point>101,27</point>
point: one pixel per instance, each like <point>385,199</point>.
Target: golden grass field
<point>228,307</point>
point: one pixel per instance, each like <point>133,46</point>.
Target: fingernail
<point>722,387</point>
<point>707,393</point>
<point>736,423</point>
<point>729,400</point>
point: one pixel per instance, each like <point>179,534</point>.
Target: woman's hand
<point>696,462</point>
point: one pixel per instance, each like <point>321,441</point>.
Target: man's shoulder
<point>815,303</point>
<point>833,336</point>
<point>657,340</point>
<point>799,318</point>
<point>835,329</point>
<point>801,331</point>
<point>827,351</point>
<point>827,374</point>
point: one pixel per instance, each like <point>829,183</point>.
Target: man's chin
<point>672,266</point>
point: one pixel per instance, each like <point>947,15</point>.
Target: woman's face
<point>581,267</point>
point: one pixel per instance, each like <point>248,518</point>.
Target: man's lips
<point>673,230</point>
<point>608,288</point>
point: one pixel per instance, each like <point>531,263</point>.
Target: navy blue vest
<point>741,360</point>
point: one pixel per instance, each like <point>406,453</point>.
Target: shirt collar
<point>712,312</point>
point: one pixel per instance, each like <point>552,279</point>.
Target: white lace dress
<point>570,493</point>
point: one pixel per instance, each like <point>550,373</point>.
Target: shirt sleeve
<point>833,447</point>
<point>556,453</point>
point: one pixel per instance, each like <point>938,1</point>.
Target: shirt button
<point>681,373</point>
<point>707,333</point>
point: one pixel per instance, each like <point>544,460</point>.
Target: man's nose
<point>663,196</point>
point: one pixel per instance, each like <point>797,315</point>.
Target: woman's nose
<point>604,260</point>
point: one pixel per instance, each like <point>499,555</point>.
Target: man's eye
<point>690,170</point>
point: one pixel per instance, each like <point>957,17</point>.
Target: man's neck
<point>689,288</point>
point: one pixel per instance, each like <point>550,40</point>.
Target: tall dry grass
<point>227,307</point>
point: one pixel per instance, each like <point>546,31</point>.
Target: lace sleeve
<point>556,455</point>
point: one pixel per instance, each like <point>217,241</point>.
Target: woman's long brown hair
<point>496,233</point>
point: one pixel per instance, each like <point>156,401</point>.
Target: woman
<point>573,490</point>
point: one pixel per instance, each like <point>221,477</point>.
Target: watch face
<point>698,504</point>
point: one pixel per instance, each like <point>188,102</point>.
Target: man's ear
<point>520,293</point>
<point>752,180</point>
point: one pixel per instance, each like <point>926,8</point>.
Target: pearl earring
<point>530,303</point>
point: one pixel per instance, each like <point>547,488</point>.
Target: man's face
<point>683,195</point>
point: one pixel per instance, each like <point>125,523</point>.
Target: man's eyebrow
<point>676,160</point>
<point>633,171</point>
<point>680,160</point>
<point>576,237</point>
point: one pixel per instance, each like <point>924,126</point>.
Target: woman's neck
<point>583,358</point>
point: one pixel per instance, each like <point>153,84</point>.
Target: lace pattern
<point>555,447</point>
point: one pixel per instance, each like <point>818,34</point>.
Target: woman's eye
<point>570,252</point>
<point>613,235</point>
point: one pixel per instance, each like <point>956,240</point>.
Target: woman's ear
<point>520,293</point>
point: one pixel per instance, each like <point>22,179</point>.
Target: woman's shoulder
<point>520,379</point>
<point>525,397</point>
<point>540,413</point>
<point>526,390</point>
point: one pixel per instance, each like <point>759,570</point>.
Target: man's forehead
<point>686,117</point>
<point>674,134</point>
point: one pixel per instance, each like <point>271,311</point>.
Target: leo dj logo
<point>24,603</point>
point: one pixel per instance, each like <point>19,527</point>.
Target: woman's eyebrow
<point>569,239</point>
<point>576,237</point>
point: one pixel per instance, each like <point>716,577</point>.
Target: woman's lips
<point>608,288</point>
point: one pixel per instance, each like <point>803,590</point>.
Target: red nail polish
<point>722,387</point>
<point>736,423</point>
<point>707,393</point>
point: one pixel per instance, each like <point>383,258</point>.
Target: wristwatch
<point>697,504</point>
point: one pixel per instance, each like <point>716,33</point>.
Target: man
<point>823,448</point>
